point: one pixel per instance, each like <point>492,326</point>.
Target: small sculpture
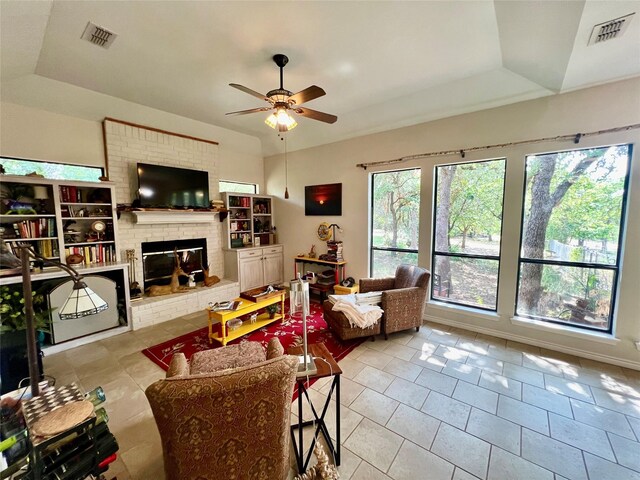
<point>209,280</point>
<point>312,252</point>
<point>174,286</point>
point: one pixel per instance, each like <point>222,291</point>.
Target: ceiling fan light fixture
<point>281,120</point>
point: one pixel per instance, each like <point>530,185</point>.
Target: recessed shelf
<point>34,239</point>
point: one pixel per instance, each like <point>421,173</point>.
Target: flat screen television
<point>160,186</point>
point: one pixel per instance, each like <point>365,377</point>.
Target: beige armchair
<point>403,297</point>
<point>226,424</point>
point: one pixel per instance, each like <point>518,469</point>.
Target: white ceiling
<point>383,64</point>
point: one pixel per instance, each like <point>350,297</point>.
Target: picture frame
<point>323,200</point>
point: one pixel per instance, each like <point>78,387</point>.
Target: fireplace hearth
<point>158,260</point>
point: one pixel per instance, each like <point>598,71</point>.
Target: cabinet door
<point>273,268</point>
<point>250,270</point>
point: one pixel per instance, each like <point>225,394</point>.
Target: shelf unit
<point>250,221</point>
<point>62,221</point>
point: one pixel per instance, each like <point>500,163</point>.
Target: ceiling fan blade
<point>316,115</point>
<point>250,92</point>
<point>253,110</point>
<point>306,95</point>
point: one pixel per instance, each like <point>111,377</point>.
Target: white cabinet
<point>254,267</point>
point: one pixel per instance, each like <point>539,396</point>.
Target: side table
<point>327,367</point>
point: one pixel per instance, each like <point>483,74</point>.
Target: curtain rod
<point>573,137</point>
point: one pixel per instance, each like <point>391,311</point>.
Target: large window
<point>54,171</point>
<point>395,214</point>
<point>237,187</point>
<point>570,243</point>
<point>467,233</point>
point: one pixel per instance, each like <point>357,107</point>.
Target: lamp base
<point>311,367</point>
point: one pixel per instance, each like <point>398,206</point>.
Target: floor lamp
<point>82,301</point>
<point>299,302</point>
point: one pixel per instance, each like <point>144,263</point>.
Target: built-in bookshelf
<point>250,220</point>
<point>59,218</point>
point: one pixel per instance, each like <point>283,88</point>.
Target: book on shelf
<point>48,248</point>
<point>99,253</point>
<point>37,228</point>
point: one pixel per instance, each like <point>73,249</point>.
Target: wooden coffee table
<point>327,367</point>
<point>246,306</point>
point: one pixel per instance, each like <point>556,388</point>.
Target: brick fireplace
<point>126,145</point>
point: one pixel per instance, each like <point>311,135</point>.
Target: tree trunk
<point>464,238</point>
<point>445,175</point>
<point>394,220</point>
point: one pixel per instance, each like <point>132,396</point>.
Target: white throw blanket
<point>362,316</point>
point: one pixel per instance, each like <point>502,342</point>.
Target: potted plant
<point>13,339</point>
<point>272,310</point>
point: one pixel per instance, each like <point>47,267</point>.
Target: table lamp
<point>299,303</point>
<point>41,194</point>
<point>82,301</point>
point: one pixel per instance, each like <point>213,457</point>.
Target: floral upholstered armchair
<point>226,414</point>
<point>403,297</point>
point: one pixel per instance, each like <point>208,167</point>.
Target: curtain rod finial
<point>462,153</point>
<point>577,139</point>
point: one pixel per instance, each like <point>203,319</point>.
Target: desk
<point>338,267</point>
<point>247,306</point>
<point>326,368</point>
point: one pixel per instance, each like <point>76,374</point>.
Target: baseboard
<point>535,342</point>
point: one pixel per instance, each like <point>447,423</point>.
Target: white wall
<point>45,119</point>
<point>586,110</point>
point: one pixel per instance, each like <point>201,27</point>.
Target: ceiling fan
<point>282,101</point>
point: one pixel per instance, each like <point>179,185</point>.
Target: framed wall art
<point>323,199</point>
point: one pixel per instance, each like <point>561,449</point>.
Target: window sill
<point>600,337</point>
<point>470,311</point>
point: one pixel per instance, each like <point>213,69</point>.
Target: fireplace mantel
<point>172,216</point>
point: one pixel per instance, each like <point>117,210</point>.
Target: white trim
<point>61,347</point>
<point>468,311</point>
<point>567,330</point>
<point>538,343</point>
<point>154,217</point>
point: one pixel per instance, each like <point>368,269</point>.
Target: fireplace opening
<point>158,260</point>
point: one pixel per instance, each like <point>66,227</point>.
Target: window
<point>54,171</point>
<point>467,233</point>
<point>238,187</point>
<point>571,229</point>
<point>395,213</point>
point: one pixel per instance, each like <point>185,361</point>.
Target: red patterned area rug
<point>289,332</point>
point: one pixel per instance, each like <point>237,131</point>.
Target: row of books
<point>239,201</point>
<point>38,228</point>
<point>69,194</point>
<point>46,248</point>
<point>98,253</point>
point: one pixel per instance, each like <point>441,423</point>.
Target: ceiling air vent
<point>98,35</point>
<point>609,30</point>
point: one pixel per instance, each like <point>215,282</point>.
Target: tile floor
<point>442,403</point>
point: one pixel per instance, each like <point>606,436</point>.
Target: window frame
<point>615,268</point>
<point>35,160</point>
<point>434,253</point>
<point>255,186</point>
<point>372,248</point>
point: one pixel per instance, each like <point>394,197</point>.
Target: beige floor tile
<point>501,384</point>
<point>407,392</point>
<point>491,340</point>
<point>536,362</point>
<point>400,351</point>
<point>463,450</point>
<point>476,396</point>
<point>447,409</point>
<point>380,346</point>
<point>485,362</point>
<point>375,406</point>
<point>602,418</point>
<point>452,353</point>
<point>570,388</point>
<point>405,337</point>
<point>603,381</point>
<point>619,403</point>
<point>523,414</point>
<point>553,455</point>
<point>437,381</point>
<point>547,400</point>
<point>139,429</point>
<point>349,420</point>
<point>366,471</point>
<point>432,362</point>
<point>505,354</point>
<point>349,390</point>
<point>414,462</point>
<point>504,465</point>
<point>414,425</point>
<point>143,461</point>
<point>601,469</point>
<point>460,474</point>
<point>627,452</point>
<point>523,347</point>
<point>635,425</point>
<point>494,430</point>
<point>580,435</point>
<point>350,367</point>
<point>473,346</point>
<point>349,463</point>
<point>462,371</point>
<point>444,338</point>
<point>375,359</point>
<point>374,444</point>
<point>403,369</point>
<point>374,378</point>
<point>91,353</point>
<point>523,374</point>
<point>423,344</point>
<point>614,370</point>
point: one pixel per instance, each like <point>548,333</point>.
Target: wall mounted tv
<point>170,187</point>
